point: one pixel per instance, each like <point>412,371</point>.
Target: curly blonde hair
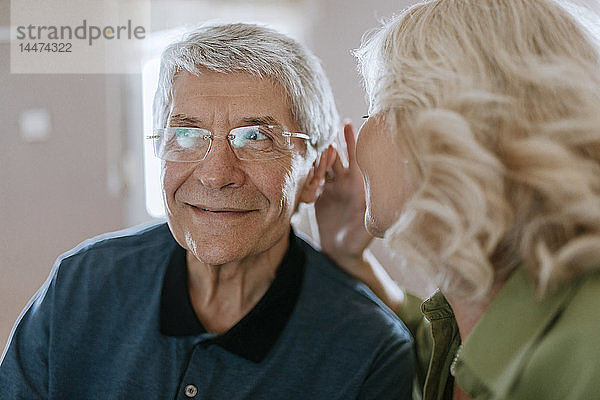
<point>497,105</point>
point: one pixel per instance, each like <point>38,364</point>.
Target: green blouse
<point>523,348</point>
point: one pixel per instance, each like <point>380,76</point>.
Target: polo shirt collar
<point>493,354</point>
<point>256,333</point>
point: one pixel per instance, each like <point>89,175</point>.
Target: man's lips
<point>222,210</point>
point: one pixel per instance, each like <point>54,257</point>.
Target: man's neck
<point>223,294</point>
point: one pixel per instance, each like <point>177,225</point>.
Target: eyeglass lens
<point>247,142</point>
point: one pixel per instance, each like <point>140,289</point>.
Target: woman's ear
<point>316,175</point>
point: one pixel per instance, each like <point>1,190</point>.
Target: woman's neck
<point>468,311</point>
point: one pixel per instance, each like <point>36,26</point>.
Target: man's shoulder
<point>137,246</point>
<point>326,275</point>
<point>332,290</point>
<point>138,238</point>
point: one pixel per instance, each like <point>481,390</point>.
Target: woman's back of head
<point>497,103</point>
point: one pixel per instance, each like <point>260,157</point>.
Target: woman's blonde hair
<point>496,103</point>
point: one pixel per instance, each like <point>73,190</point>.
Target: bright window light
<point>154,202</point>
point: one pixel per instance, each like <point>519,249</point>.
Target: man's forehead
<point>229,96</point>
<point>228,85</point>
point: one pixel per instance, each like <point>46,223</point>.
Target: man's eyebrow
<point>263,120</point>
<point>184,119</point>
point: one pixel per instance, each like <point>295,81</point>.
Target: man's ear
<point>316,175</point>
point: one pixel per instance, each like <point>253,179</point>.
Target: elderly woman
<point>481,166</point>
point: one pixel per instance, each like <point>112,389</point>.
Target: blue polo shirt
<point>114,321</point>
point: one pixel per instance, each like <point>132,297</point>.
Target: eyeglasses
<point>259,142</point>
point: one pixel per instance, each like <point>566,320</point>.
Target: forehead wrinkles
<point>244,94</point>
<point>230,112</point>
<point>234,85</point>
<point>243,103</point>
<point>238,93</point>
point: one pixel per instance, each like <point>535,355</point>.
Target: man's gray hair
<point>260,51</point>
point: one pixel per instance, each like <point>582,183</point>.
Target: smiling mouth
<point>222,210</point>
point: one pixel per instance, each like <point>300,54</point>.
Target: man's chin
<point>216,255</point>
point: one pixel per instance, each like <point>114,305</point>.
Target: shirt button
<point>190,390</point>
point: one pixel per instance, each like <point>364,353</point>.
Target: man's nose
<point>220,168</point>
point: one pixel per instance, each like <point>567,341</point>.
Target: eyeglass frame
<point>229,137</point>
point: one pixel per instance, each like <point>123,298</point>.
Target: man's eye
<point>255,134</point>
<point>185,132</point>
<point>186,137</point>
<point>250,136</point>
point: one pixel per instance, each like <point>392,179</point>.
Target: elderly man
<point>225,302</point>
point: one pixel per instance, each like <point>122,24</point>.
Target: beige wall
<point>56,193</point>
<point>53,194</point>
